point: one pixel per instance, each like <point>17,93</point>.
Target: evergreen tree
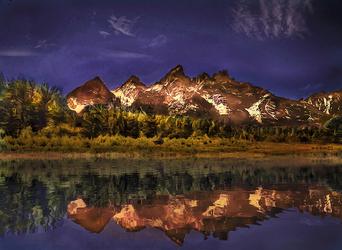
<point>149,127</point>
<point>94,121</point>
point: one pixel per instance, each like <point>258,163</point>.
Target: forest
<point>35,115</point>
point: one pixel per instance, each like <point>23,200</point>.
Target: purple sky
<point>291,47</point>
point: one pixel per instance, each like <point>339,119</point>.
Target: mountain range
<point>218,96</point>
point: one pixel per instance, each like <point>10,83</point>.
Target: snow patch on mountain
<point>222,109</point>
<point>255,111</point>
<point>216,101</point>
<point>179,98</point>
<point>75,106</point>
<point>155,87</point>
<point>270,108</point>
<point>126,100</point>
<point>327,104</point>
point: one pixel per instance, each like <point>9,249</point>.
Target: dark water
<point>274,203</point>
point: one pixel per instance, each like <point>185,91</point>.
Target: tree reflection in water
<point>211,196</point>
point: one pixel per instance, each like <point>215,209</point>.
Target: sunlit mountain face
<point>126,202</point>
<point>219,97</point>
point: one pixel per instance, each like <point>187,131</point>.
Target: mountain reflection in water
<point>211,213</point>
<point>209,196</point>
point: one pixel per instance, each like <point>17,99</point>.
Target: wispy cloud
<point>270,19</point>
<point>122,54</point>
<point>158,41</point>
<point>104,33</point>
<point>311,87</point>
<point>43,44</point>
<point>122,25</point>
<point>17,53</point>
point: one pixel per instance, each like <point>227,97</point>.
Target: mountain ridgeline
<point>218,97</point>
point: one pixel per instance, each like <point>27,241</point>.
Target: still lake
<point>271,203</point>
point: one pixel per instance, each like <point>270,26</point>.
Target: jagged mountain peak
<point>202,76</point>
<point>175,76</point>
<point>98,78</point>
<point>128,91</point>
<point>175,72</point>
<point>178,70</point>
<point>91,92</point>
<point>94,81</point>
<point>135,81</point>
<point>222,76</point>
<point>222,72</point>
<point>95,84</point>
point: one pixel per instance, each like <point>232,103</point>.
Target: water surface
<point>273,203</point>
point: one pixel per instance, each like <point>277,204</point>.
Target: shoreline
<point>253,150</point>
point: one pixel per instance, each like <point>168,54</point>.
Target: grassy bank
<point>119,146</point>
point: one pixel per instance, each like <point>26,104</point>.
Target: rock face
<point>329,103</point>
<point>218,96</point>
<point>129,91</point>
<point>90,93</point>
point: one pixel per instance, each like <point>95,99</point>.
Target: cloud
<point>272,19</point>
<point>311,87</point>
<point>158,41</point>
<point>43,44</point>
<point>122,25</point>
<point>122,54</point>
<point>17,53</point>
<point>104,33</point>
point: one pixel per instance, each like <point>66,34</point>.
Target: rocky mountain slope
<point>330,103</point>
<point>92,92</point>
<point>218,96</point>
